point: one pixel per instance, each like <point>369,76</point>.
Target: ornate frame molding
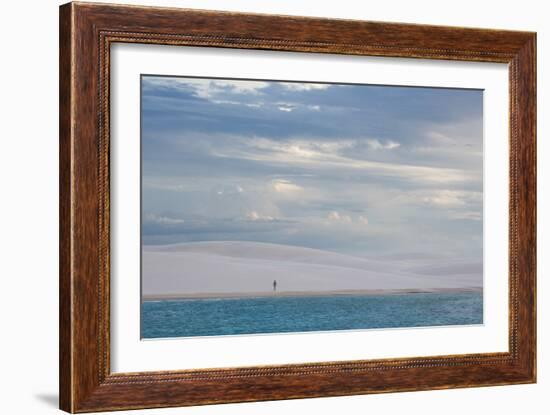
<point>87,32</point>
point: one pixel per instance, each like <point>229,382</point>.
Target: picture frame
<point>87,32</point>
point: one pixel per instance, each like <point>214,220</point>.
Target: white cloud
<point>209,88</point>
<point>445,198</point>
<point>256,217</point>
<point>378,145</point>
<point>344,218</point>
<point>242,87</point>
<point>286,186</point>
<point>290,106</point>
<point>163,220</point>
<point>229,102</point>
<point>228,190</point>
<point>469,215</point>
<point>335,216</point>
<point>286,108</point>
<point>172,187</point>
<point>452,198</point>
<point>300,151</point>
<point>334,146</point>
<point>458,140</point>
<point>302,148</point>
<point>224,102</point>
<point>440,138</point>
<point>302,86</point>
<point>324,155</point>
<point>363,219</point>
<point>390,145</point>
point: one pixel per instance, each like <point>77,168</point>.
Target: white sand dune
<point>251,267</point>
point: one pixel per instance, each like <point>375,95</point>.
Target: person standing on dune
<point>274,285</point>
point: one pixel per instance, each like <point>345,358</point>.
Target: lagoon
<point>193,317</point>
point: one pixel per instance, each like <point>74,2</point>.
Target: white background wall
<point>28,210</point>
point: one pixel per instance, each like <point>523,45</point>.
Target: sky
<point>363,170</point>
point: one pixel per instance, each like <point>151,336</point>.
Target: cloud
<point>228,190</point>
<point>344,218</point>
<point>241,87</point>
<point>377,145</point>
<point>286,108</point>
<point>171,187</point>
<point>440,138</point>
<point>286,186</point>
<point>469,215</point>
<point>255,217</point>
<point>446,203</point>
<point>363,219</point>
<point>289,107</point>
<point>452,198</point>
<point>333,146</point>
<point>321,155</point>
<point>360,169</point>
<point>335,216</point>
<point>303,86</point>
<point>162,220</point>
<point>229,102</point>
<point>207,88</point>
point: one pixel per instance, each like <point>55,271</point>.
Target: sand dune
<point>250,267</point>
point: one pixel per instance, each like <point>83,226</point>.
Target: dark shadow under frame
<point>86,33</point>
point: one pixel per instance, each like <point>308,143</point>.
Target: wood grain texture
<point>86,33</point>
<point>65,246</point>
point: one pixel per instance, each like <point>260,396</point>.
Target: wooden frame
<point>86,33</point>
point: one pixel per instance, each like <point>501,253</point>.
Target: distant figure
<point>274,285</point>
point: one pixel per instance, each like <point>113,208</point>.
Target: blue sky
<point>358,169</point>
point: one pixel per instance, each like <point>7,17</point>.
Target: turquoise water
<point>226,316</point>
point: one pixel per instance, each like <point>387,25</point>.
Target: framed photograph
<point>259,207</point>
